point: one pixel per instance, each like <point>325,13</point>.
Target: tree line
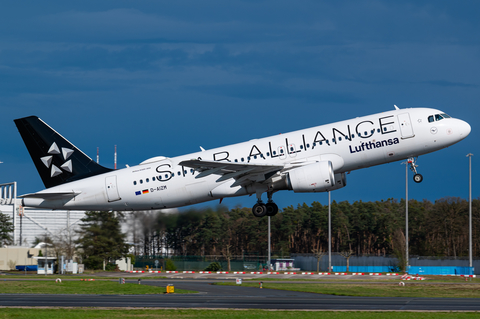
<point>360,228</point>
<point>363,228</point>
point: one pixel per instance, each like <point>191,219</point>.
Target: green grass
<point>184,313</point>
<point>80,287</point>
<point>411,289</point>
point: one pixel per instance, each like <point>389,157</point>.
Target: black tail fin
<point>57,160</point>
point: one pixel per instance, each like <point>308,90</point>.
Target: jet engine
<point>315,177</point>
<point>340,181</point>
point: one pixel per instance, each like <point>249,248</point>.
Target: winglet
<point>396,107</point>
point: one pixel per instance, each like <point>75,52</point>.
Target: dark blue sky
<point>163,77</point>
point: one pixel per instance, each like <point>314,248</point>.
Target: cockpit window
<point>438,117</point>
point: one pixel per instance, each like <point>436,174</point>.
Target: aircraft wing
<point>242,173</point>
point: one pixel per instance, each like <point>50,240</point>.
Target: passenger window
<point>134,182</point>
<point>236,160</point>
<point>141,181</point>
<point>255,156</point>
<point>274,152</point>
<point>147,180</point>
<point>268,153</point>
<point>281,151</point>
<point>308,145</point>
<point>242,159</point>
<point>291,149</point>
<point>339,138</point>
<point>301,147</point>
<point>160,178</point>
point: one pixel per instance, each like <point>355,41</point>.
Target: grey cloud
<point>272,91</point>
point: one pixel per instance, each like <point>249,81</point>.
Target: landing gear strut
<point>260,209</point>
<point>417,178</point>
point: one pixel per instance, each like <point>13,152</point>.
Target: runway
<point>213,296</point>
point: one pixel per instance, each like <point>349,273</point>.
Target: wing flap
<point>242,173</point>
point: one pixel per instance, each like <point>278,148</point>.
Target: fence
<point>237,263</point>
<point>308,262</point>
<point>418,264</point>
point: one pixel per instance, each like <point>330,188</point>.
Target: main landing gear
<point>417,178</point>
<point>269,209</point>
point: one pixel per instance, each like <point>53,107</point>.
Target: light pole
<point>329,234</point>
<point>406,213</point>
<point>469,155</point>
<point>269,251</point>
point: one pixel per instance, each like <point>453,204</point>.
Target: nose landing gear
<point>417,178</point>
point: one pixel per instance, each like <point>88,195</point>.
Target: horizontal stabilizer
<point>51,196</point>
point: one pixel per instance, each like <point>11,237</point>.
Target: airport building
<point>30,223</point>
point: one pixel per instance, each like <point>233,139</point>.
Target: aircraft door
<point>406,127</point>
<point>111,187</point>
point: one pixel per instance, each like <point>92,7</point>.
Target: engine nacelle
<point>315,177</point>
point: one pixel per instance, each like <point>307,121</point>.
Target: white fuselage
<point>348,145</point>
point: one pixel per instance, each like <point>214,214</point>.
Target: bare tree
<point>228,255</point>
<point>318,253</point>
<point>399,248</point>
<point>347,254</point>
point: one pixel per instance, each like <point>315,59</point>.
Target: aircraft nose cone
<point>465,129</point>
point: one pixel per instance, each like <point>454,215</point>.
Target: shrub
<point>169,265</point>
<point>111,267</point>
<point>215,266</point>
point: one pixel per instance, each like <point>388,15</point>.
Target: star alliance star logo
<point>54,150</point>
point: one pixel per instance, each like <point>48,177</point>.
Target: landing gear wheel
<point>417,178</point>
<point>259,210</point>
<point>272,209</point>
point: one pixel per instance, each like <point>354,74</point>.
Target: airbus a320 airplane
<point>310,160</point>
